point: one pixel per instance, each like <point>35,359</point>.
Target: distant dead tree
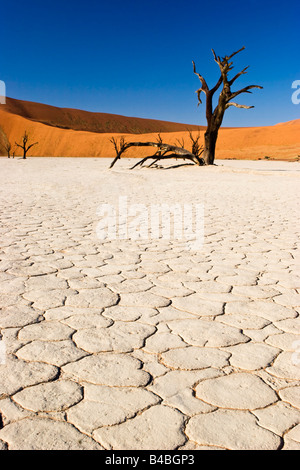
<point>164,152</point>
<point>7,147</point>
<point>24,146</point>
<point>215,116</point>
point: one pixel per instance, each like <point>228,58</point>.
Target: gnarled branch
<point>242,72</point>
<point>243,90</point>
<point>234,53</point>
<point>238,105</point>
<point>163,149</point>
<point>202,79</point>
<point>27,148</point>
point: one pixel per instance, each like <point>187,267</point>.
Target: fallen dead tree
<point>164,152</point>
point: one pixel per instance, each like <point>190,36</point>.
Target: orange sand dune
<point>281,142</point>
<point>79,120</point>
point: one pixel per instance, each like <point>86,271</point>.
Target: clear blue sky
<point>135,57</point>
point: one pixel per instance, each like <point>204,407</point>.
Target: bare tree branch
<point>204,88</point>
<point>218,84</point>
<point>29,147</point>
<point>243,90</point>
<point>217,59</point>
<point>180,142</point>
<point>18,145</point>
<point>236,52</point>
<point>120,147</point>
<point>238,105</point>
<point>163,157</point>
<point>198,94</point>
<point>242,72</point>
<point>159,139</point>
<point>197,149</point>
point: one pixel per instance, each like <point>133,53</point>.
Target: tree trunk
<point>210,140</point>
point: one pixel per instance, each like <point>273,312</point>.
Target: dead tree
<point>215,116</point>
<point>164,152</point>
<point>7,147</point>
<point>24,146</point>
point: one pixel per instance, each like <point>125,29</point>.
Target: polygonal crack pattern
<point>145,344</point>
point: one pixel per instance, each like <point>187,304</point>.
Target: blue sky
<point>135,57</point>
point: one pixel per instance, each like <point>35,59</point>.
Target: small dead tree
<point>215,116</point>
<point>7,147</point>
<point>24,146</point>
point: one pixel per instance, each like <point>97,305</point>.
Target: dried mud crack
<point>144,343</point>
